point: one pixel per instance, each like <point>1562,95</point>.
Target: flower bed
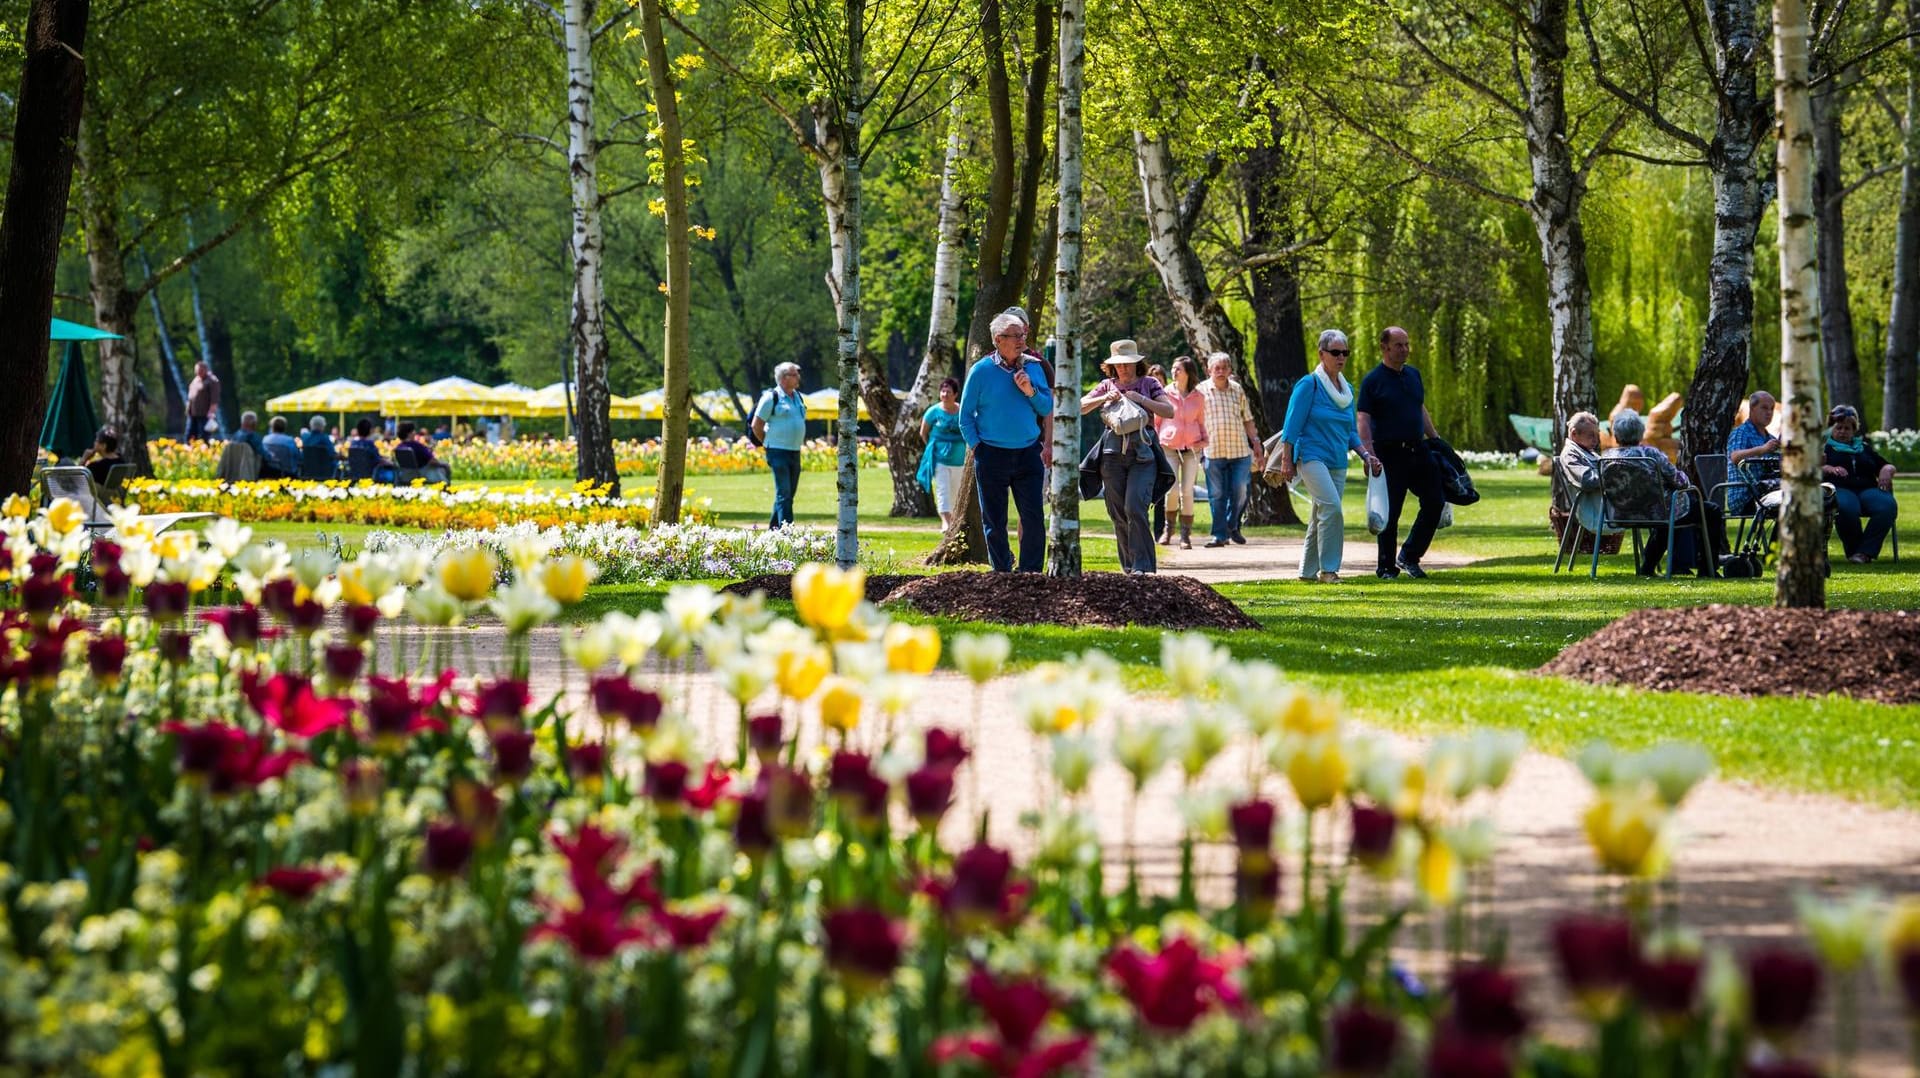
<point>644,555</point>
<point>235,847</point>
<point>419,506</point>
<point>530,458</point>
<point>1900,447</point>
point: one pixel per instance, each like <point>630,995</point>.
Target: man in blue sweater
<point>1001,409</point>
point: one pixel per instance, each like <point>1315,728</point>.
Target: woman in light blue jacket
<point>1314,442</point>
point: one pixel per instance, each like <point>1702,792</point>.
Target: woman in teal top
<point>780,422</point>
<point>1314,443</point>
<point>946,453</point>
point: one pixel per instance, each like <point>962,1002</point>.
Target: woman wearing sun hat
<point>1128,465</point>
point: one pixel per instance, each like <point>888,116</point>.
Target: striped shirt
<point>1227,416</point>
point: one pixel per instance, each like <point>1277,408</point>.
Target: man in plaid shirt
<point>1233,449</point>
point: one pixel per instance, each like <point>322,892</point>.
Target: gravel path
<point>1745,852</point>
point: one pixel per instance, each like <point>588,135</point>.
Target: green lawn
<point>1454,651</point>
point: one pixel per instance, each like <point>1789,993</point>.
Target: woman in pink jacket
<point>1184,437</point>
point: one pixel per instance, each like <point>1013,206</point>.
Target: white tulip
<point>227,536</point>
<point>981,657</point>
<point>1073,759</point>
<point>1191,661</point>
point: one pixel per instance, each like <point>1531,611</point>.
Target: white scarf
<point>1342,393</point>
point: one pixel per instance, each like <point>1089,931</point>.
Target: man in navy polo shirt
<point>1394,426</point>
<point>1001,409</point>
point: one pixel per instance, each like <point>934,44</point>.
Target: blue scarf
<point>1857,446</point>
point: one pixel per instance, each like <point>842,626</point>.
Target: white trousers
<point>1326,527</point>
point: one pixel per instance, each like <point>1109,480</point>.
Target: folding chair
<point>361,462</point>
<point>114,490</point>
<point>406,458</point>
<point>1634,496</point>
<point>318,461</point>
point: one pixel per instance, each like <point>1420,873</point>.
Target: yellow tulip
<point>799,673</point>
<point>1437,873</point>
<point>1309,715</point>
<point>825,597</point>
<point>1903,926</point>
<point>840,702</point>
<point>1624,827</point>
<point>912,649</point>
<point>1319,771</point>
<point>17,507</point>
<point>467,574</point>
<point>64,515</point>
<point>566,578</point>
<point>353,585</point>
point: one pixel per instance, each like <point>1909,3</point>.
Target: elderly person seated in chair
<point>1580,465</point>
<point>1862,482</point>
<point>1628,430</point>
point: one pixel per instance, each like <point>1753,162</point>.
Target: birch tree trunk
<point>837,135</point>
<point>679,363</point>
<point>593,432</point>
<point>1802,524</point>
<point>1555,204</point>
<point>122,399</point>
<point>45,122</point>
<point>1739,201</point>
<point>1063,528</point>
<point>1839,353</point>
<point>1899,409</point>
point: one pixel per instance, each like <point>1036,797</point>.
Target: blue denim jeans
<point>786,479</point>
<point>1873,507</point>
<point>1227,493</point>
<point>997,473</point>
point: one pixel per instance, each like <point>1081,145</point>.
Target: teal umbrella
<point>71,422</point>
<point>64,330</point>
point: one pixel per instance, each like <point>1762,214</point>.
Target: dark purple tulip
<point>1373,832</point>
<point>1486,1002</point>
<point>614,697</point>
<point>106,555</point>
<point>106,657</point>
<point>277,597</point>
<point>765,736</point>
<point>666,783</point>
<point>945,749</point>
<point>1252,825</point>
<point>306,617</point>
<point>929,794</point>
<point>1906,969</point>
<point>1456,1054</point>
<point>166,600</point>
<point>1257,887</point>
<point>513,755</point>
<point>115,585</point>
<point>1595,955</point>
<point>240,623</point>
<point>789,801</point>
<point>862,944</point>
<point>1781,1068</point>
<point>360,621</point>
<point>752,830</point>
<point>587,762</point>
<point>1668,986</point>
<point>851,781</point>
<point>449,847</point>
<point>1361,1041</point>
<point>1782,985</point>
<point>500,703</point>
<point>175,647</point>
<point>344,661</point>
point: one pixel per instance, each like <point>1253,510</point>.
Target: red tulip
<point>929,794</point>
<point>500,703</point>
<point>945,749</point>
<point>713,784</point>
<point>1173,989</point>
<point>1361,1041</point>
<point>360,620</point>
<point>297,882</point>
<point>863,946</point>
<point>592,855</point>
<point>1017,1009</point>
<point>395,713</point>
<point>241,624</point>
<point>979,894</point>
<point>594,932</point>
<point>615,697</point>
<point>288,704</point>
<point>226,758</point>
<point>687,931</point>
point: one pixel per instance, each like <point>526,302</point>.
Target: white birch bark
<point>1063,529</point>
<point>943,313</point>
<point>1170,252</point>
<point>1802,527</point>
<point>593,437</point>
<point>837,134</point>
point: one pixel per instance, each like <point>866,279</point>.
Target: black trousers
<point>1714,538</point>
<point>1408,469</point>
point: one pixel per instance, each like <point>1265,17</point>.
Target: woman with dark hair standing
<point>1162,523</point>
<point>1128,465</point>
<point>1184,436</point>
<point>946,453</point>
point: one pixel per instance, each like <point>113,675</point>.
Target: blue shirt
<point>786,417</point>
<point>1744,436</point>
<point>943,434</point>
<point>1316,427</point>
<point>994,411</point>
<point>250,438</point>
<point>1396,402</point>
<point>283,451</point>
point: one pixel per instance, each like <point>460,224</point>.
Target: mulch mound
<point>1743,651</point>
<point>1104,599</point>
<point>780,585</point>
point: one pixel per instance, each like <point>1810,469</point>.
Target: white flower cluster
<point>638,555</point>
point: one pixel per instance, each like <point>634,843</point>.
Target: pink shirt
<point>1187,428</point>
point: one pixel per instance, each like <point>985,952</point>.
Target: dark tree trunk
<point>46,123</point>
<point>1280,345</point>
<point>1740,197</point>
<point>1899,406</point>
<point>219,353</point>
<point>1837,351</point>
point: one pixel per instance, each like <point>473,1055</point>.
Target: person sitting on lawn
<point>1862,483</point>
<point>1628,430</point>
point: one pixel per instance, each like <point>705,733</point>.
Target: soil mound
<point>1745,651</point>
<point>1105,599</point>
<point>780,585</point>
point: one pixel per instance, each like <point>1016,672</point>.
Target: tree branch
<point>1871,175</point>
<point>806,144</point>
<point>1411,158</point>
<point>1646,109</point>
<point>1869,54</point>
<point>1458,75</point>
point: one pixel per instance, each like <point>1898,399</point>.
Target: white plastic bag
<point>1377,503</point>
<point>1446,517</point>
